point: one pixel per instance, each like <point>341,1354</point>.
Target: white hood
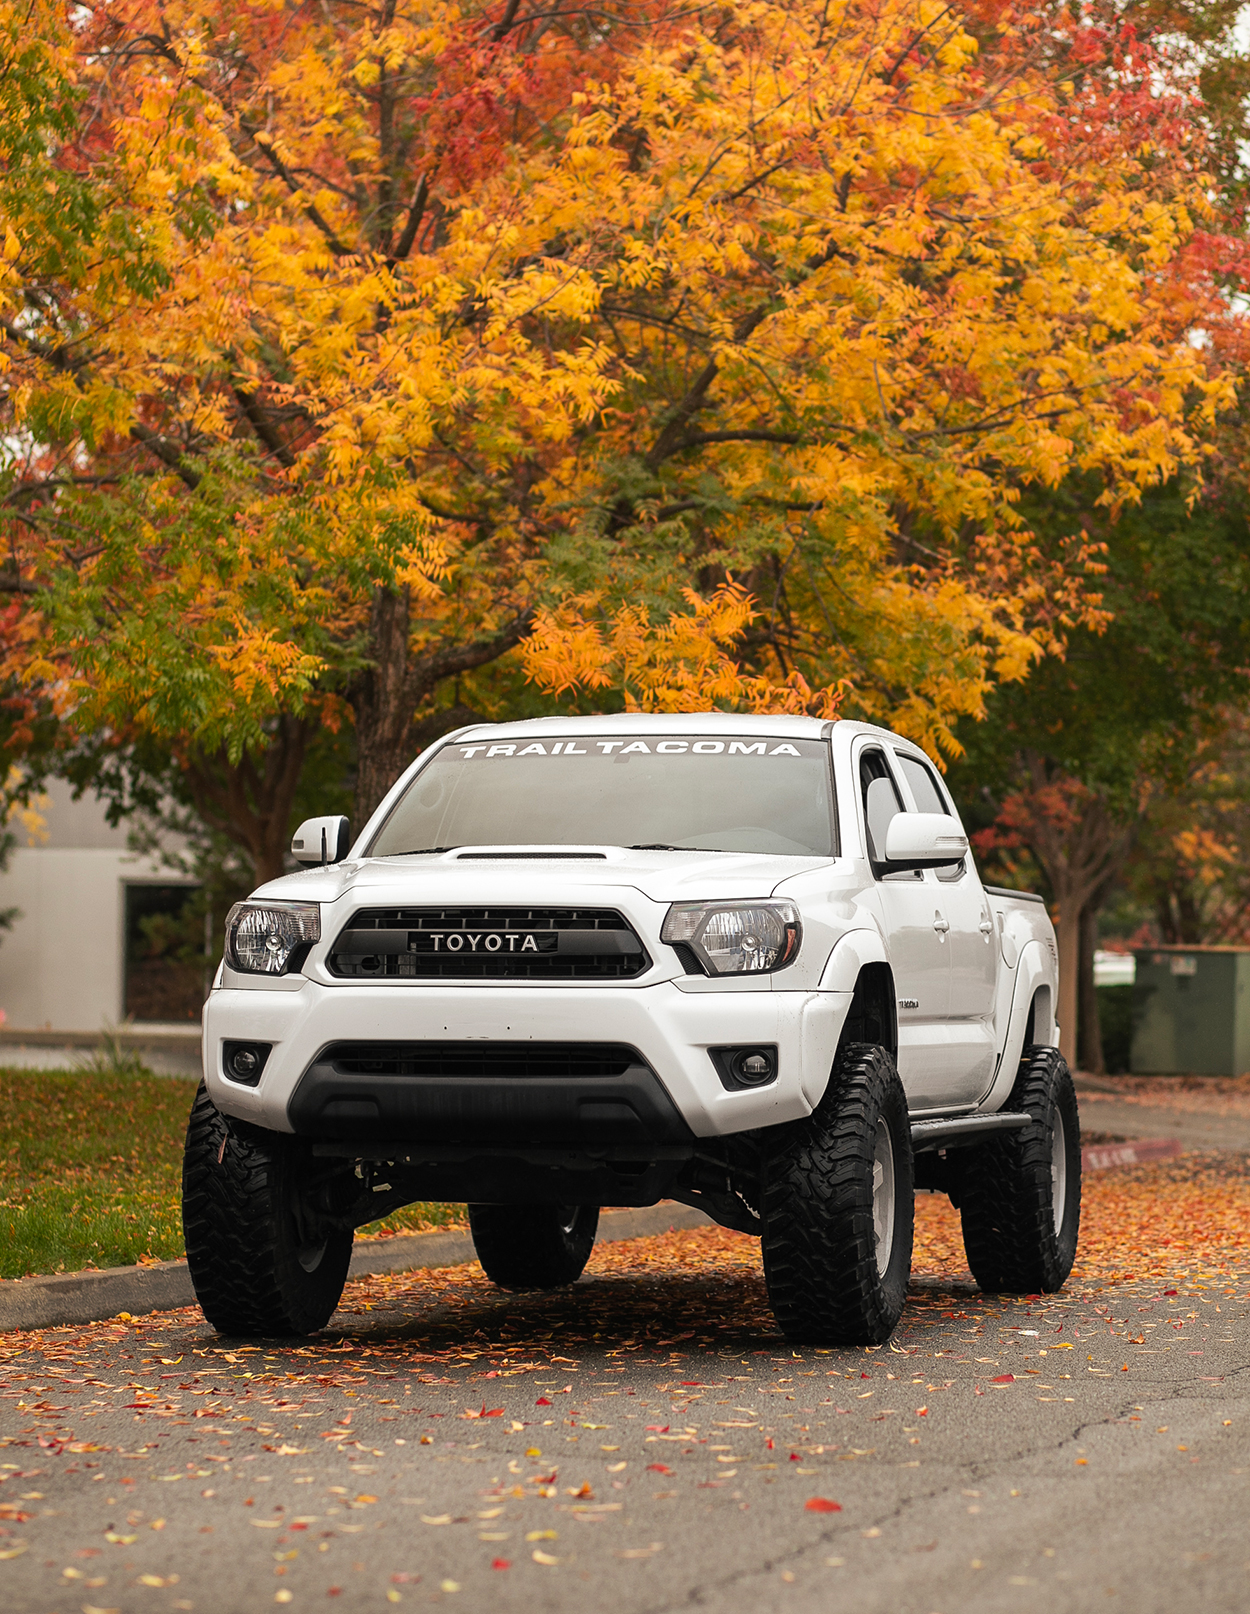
<point>566,876</point>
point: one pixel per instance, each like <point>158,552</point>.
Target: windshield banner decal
<point>570,748</point>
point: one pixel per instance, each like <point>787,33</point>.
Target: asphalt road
<point>642,1441</point>
<point>1103,1111</point>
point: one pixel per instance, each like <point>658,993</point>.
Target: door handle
<point>940,925</point>
<point>986,927</point>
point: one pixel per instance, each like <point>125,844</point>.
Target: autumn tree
<point>460,324</point>
<point>1076,763</point>
<point>1189,869</point>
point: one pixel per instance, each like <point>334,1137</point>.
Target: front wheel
<point>1020,1195</point>
<point>838,1206</point>
<point>255,1269</point>
<point>533,1246</point>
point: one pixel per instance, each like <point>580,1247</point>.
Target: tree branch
<point>504,25</point>
<point>249,403</point>
<point>166,453</point>
<point>430,670</point>
<point>697,439</point>
<point>674,428</point>
<point>60,358</point>
<point>412,224</point>
<point>311,210</point>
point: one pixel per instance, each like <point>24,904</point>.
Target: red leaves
<point>658,1468</point>
<point>495,1412</point>
<point>501,1563</point>
<point>795,1458</point>
<point>658,1428</point>
<point>542,1401</point>
<point>922,1412</point>
<point>821,1504</point>
<point>1004,1378</point>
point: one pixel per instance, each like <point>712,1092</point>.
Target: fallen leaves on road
<point>1183,1218</point>
<point>653,1304</point>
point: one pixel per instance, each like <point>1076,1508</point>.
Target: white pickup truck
<point>742,962</point>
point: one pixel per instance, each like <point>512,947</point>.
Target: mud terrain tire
<point>252,1272</point>
<point>838,1207</point>
<point>533,1246</point>
<point>1020,1195</point>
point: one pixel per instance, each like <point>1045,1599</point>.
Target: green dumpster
<point>1191,1012</point>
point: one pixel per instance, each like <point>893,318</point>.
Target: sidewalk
<point>1164,1108</point>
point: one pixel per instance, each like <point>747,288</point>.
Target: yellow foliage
<point>682,664</point>
<point>569,326</point>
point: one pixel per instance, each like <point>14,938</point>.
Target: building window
<point>164,953</point>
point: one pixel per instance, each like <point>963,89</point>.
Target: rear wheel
<point>255,1267</point>
<point>1020,1195</point>
<point>838,1207</point>
<point>533,1246</point>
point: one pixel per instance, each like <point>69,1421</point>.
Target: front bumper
<point>672,1030</point>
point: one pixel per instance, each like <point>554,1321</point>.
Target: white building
<point>70,963</point>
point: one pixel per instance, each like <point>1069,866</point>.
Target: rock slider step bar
<point>961,1129</point>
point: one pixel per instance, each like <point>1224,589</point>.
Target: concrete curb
<point>91,1297</point>
<point>1106,1156</point>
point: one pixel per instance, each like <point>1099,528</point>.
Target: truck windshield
<point>772,796</point>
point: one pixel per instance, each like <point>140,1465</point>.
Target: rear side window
<point>929,799</point>
<point>923,786</point>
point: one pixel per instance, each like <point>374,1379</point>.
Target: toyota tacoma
<point>746,963</point>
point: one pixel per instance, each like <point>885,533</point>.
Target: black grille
<point>539,944</point>
<point>511,1061</point>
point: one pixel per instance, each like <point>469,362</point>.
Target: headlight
<point>738,938</point>
<point>263,938</point>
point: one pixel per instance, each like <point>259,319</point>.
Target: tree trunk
<point>381,704</point>
<point>388,693</point>
<point>1089,1041</point>
<point>250,804</point>
<point>1082,848</point>
<point>1068,932</point>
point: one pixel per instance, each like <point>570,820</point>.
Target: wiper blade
<point>420,851</point>
<point>663,846</point>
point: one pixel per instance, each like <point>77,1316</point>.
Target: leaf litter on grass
<point>91,1170</point>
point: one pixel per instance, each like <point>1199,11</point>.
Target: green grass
<point>91,1166</point>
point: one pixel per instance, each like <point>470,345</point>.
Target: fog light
<point>244,1061</point>
<point>753,1066</point>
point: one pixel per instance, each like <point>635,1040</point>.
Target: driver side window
<point>881,803</point>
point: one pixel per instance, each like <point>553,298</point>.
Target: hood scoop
<point>545,856</point>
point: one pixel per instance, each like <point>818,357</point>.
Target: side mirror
<point>923,841</point>
<point>321,840</point>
